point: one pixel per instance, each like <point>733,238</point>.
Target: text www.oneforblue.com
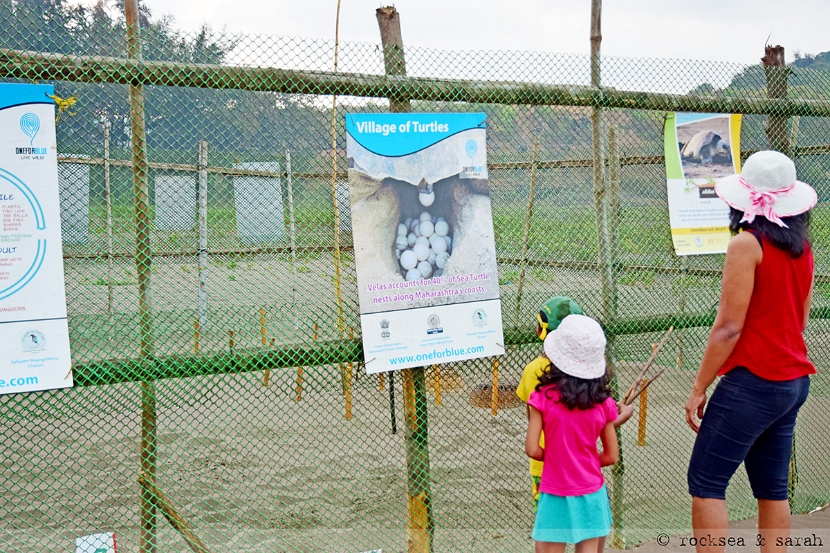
<point>14,382</point>
<point>436,354</point>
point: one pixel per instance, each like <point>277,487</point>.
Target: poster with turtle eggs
<point>700,148</point>
<point>424,248</point>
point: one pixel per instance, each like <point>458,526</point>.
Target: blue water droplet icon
<point>472,149</point>
<point>30,125</point>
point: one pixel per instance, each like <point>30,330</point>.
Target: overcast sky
<point>722,30</point>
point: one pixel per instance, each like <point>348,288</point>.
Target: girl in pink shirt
<point>574,407</point>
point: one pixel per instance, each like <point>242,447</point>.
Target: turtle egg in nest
<point>422,246</point>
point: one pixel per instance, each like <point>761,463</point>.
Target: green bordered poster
<point>424,246</point>
<point>34,335</point>
<point>700,148</point>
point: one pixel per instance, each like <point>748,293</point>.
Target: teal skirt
<point>572,519</point>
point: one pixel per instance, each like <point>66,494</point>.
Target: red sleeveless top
<point>771,344</point>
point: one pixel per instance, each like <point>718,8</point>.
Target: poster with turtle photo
<point>700,148</point>
<point>422,226</point>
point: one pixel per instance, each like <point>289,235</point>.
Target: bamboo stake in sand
<point>300,370</point>
<point>641,421</point>
<point>176,520</point>
<point>196,336</point>
<point>348,390</point>
<point>495,394</point>
<point>641,383</point>
<point>263,330</point>
<point>436,382</point>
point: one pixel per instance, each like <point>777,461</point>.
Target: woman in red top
<point>757,344</point>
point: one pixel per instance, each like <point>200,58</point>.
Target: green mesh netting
<point>214,381</point>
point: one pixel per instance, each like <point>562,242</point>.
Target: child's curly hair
<point>579,393</point>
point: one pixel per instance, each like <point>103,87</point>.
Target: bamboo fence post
<point>775,71</point>
<point>176,520</point>
<point>143,260</point>
<point>292,237</point>
<point>108,199</point>
<point>776,74</point>
<point>337,261</point>
<point>526,234</point>
<point>420,526</point>
<point>605,252</point>
<point>203,233</point>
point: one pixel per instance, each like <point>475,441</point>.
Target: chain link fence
<point>220,402</point>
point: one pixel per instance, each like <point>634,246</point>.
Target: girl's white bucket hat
<point>767,186</point>
<point>577,347</point>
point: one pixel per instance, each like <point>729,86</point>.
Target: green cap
<point>553,311</point>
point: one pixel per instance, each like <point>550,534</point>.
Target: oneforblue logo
<point>30,125</point>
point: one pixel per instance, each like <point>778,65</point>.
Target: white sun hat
<point>767,186</point>
<point>577,347</point>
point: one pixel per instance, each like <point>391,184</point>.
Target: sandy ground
<point>254,470</point>
<point>810,531</point>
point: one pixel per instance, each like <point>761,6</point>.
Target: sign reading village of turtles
<point>34,337</point>
<point>425,252</point>
<point>700,149</point>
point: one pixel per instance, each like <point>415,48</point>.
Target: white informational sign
<point>34,336</point>
<point>176,202</point>
<point>96,543</point>
<point>700,149</point>
<point>73,182</point>
<point>258,200</point>
<point>425,253</point>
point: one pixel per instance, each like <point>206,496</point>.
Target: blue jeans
<point>747,419</point>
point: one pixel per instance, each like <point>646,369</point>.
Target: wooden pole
<point>776,74</point>
<point>775,71</point>
<point>292,235</point>
<point>420,526</point>
<point>176,520</point>
<point>526,234</point>
<point>203,234</point>
<point>144,261</point>
<point>605,254</point>
<point>108,199</point>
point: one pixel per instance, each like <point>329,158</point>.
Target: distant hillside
<point>819,61</point>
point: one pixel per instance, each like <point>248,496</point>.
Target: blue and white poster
<point>422,226</point>
<point>34,336</point>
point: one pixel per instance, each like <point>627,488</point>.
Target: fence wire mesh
<point>217,381</point>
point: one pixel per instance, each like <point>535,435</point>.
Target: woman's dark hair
<point>580,393</point>
<point>791,239</point>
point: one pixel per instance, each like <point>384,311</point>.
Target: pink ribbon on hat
<point>762,203</point>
